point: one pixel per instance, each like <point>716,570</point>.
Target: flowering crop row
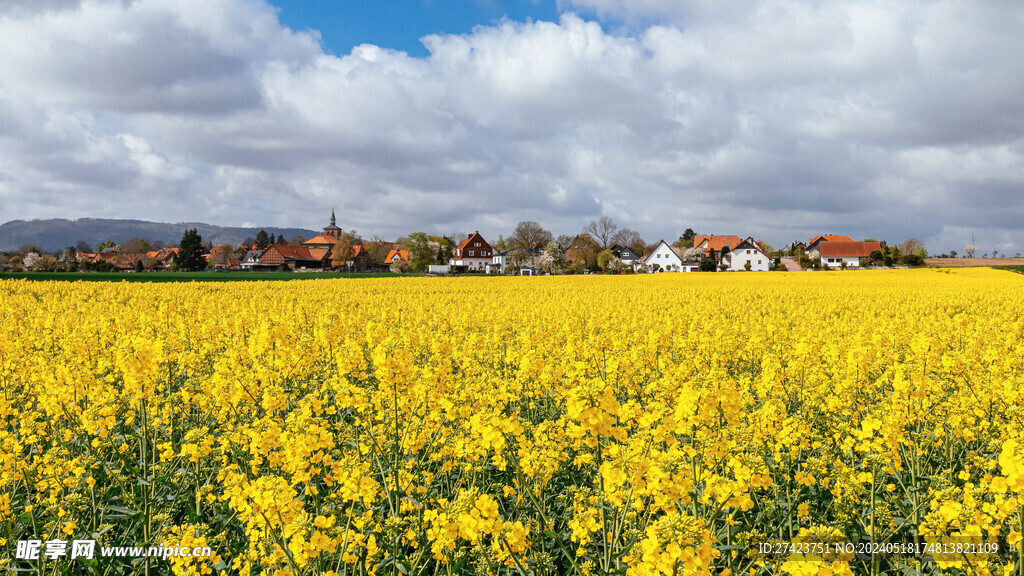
<point>667,424</point>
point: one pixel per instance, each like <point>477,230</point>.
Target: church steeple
<point>333,229</point>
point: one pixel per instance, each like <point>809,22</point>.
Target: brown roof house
<point>473,254</point>
<point>283,257</point>
<point>814,244</point>
<point>842,253</point>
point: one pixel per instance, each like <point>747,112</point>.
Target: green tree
<point>421,254</point>
<point>687,238</point>
<point>262,241</point>
<point>104,245</point>
<point>604,259</point>
<point>191,256</point>
<point>913,260</point>
<point>70,259</point>
<point>445,248</point>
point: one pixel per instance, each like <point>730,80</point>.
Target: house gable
<point>474,246</point>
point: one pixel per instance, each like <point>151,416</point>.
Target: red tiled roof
<point>403,255</point>
<point>848,249</point>
<point>321,239</point>
<point>297,252</point>
<point>829,238</point>
<point>717,241</point>
<point>319,253</point>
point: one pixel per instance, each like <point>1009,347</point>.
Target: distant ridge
<point>58,233</point>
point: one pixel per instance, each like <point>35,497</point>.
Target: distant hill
<point>58,233</point>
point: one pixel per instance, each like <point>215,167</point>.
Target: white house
<point>664,259</point>
<point>498,262</point>
<point>747,252</point>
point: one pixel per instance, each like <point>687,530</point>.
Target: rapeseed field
<point>864,422</point>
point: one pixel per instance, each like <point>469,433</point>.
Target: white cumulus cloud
<point>777,119</point>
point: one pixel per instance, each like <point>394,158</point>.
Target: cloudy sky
<point>777,118</point>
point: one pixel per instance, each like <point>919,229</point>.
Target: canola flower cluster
<point>647,425</point>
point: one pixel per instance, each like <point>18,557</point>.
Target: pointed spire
<point>332,216</point>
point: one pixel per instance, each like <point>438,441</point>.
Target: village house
<point>313,253</point>
<point>582,251</point>
<point>251,260</point>
<point>397,256</point>
<point>813,250</point>
<point>162,258</point>
<point>281,257</point>
<point>472,254</point>
<point>747,253</point>
<point>715,243</point>
<point>500,261</point>
<point>839,254</point>
<point>665,258</point>
<point>794,247</point>
<point>626,255</point>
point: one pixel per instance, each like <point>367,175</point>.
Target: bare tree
<point>602,229</point>
<point>625,237</point>
<point>970,250</point>
<point>529,235</point>
<point>911,246</point>
<point>630,238</point>
<point>136,245</point>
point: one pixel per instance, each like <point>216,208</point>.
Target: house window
<point>476,244</point>
<point>470,252</point>
<point>483,252</point>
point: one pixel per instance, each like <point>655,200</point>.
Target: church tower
<point>332,230</point>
